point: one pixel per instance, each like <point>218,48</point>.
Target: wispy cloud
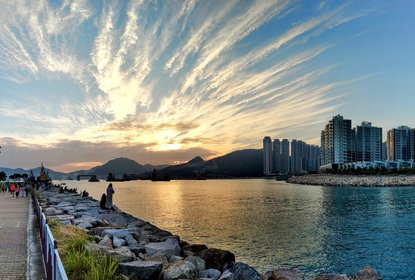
<point>206,76</point>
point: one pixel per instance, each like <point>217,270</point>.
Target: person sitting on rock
<point>103,202</point>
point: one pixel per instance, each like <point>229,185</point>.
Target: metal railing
<point>52,262</point>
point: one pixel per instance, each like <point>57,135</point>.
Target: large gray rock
<point>118,242</point>
<point>106,241</point>
<point>283,274</point>
<point>136,224</point>
<point>86,219</point>
<point>368,273</point>
<point>241,271</point>
<point>85,225</point>
<point>120,233</point>
<point>180,270</point>
<point>193,249</point>
<point>122,254</point>
<point>98,231</point>
<point>115,220</point>
<point>333,277</point>
<point>210,274</point>
<point>216,258</point>
<point>198,262</point>
<point>131,240</point>
<point>141,270</point>
<point>168,248</point>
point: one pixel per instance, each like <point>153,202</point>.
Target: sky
<point>160,82</point>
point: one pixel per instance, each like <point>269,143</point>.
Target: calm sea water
<point>270,224</point>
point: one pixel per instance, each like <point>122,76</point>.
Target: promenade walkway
<point>14,230</point>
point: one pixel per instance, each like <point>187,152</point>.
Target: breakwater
<point>353,180</point>
<point>147,252</point>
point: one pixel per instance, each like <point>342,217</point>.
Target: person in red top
<point>12,189</point>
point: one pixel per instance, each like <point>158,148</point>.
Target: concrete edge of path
<point>35,266</point>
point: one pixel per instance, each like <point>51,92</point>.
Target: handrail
<point>52,263</point>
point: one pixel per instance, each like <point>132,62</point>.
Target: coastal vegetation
<point>79,263</point>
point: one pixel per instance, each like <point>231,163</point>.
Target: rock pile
<point>353,180</point>
<point>145,252</point>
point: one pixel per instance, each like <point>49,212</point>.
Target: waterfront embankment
<point>353,180</point>
<point>147,252</point>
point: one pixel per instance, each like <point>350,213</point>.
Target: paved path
<point>14,215</point>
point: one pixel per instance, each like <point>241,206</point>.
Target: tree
<point>3,176</point>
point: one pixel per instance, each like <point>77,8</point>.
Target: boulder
<point>115,220</point>
<point>85,225</point>
<point>168,248</point>
<point>180,270</point>
<point>120,233</point>
<point>241,271</point>
<point>198,262</point>
<point>131,240</point>
<point>141,270</point>
<point>368,273</point>
<point>193,249</point>
<point>86,218</point>
<point>137,249</point>
<point>210,274</point>
<point>98,231</point>
<point>173,259</point>
<point>118,242</point>
<point>158,258</point>
<point>333,277</point>
<point>283,274</point>
<point>106,241</point>
<point>122,254</point>
<point>136,224</point>
<point>216,258</point>
<point>227,275</point>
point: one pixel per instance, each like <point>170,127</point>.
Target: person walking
<point>110,191</point>
<point>17,190</point>
<point>12,189</point>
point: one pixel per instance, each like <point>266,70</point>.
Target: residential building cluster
<point>283,157</point>
<point>363,147</point>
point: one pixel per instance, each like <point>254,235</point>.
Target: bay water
<point>269,224</point>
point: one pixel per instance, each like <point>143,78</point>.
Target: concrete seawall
<point>147,252</point>
<point>353,180</point>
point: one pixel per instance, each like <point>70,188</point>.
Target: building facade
<point>276,154</point>
<point>267,150</point>
<point>401,144</point>
<point>278,159</point>
<point>336,142</point>
<point>368,143</point>
<point>285,156</point>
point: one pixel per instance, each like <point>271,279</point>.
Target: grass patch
<point>77,261</point>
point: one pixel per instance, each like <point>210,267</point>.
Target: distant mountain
<point>118,167</point>
<point>54,175</point>
<point>238,164</point>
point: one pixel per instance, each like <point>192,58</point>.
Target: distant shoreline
<point>354,180</point>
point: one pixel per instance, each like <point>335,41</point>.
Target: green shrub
<point>77,261</point>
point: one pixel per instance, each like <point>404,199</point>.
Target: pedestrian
<point>3,189</point>
<point>12,189</point>
<point>26,190</point>
<point>17,190</point>
<point>110,191</point>
<point>103,201</point>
